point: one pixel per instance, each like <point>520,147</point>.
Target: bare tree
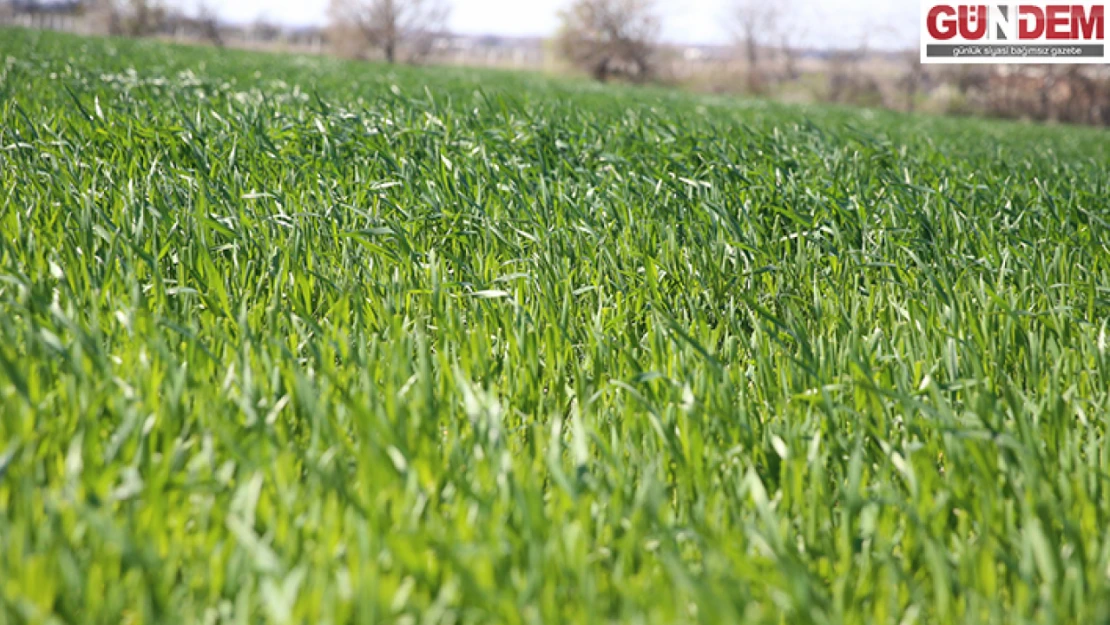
<point>208,24</point>
<point>913,75</point>
<point>133,18</point>
<point>756,25</point>
<point>610,38</point>
<point>264,31</point>
<point>792,31</point>
<point>397,29</point>
<point>849,82</point>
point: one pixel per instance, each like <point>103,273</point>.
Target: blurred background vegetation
<point>770,54</point>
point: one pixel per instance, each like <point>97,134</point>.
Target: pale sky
<point>892,23</point>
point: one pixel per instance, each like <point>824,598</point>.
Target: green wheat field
<point>294,340</point>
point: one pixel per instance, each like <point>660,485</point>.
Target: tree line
<point>604,38</point>
<point>620,40</point>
